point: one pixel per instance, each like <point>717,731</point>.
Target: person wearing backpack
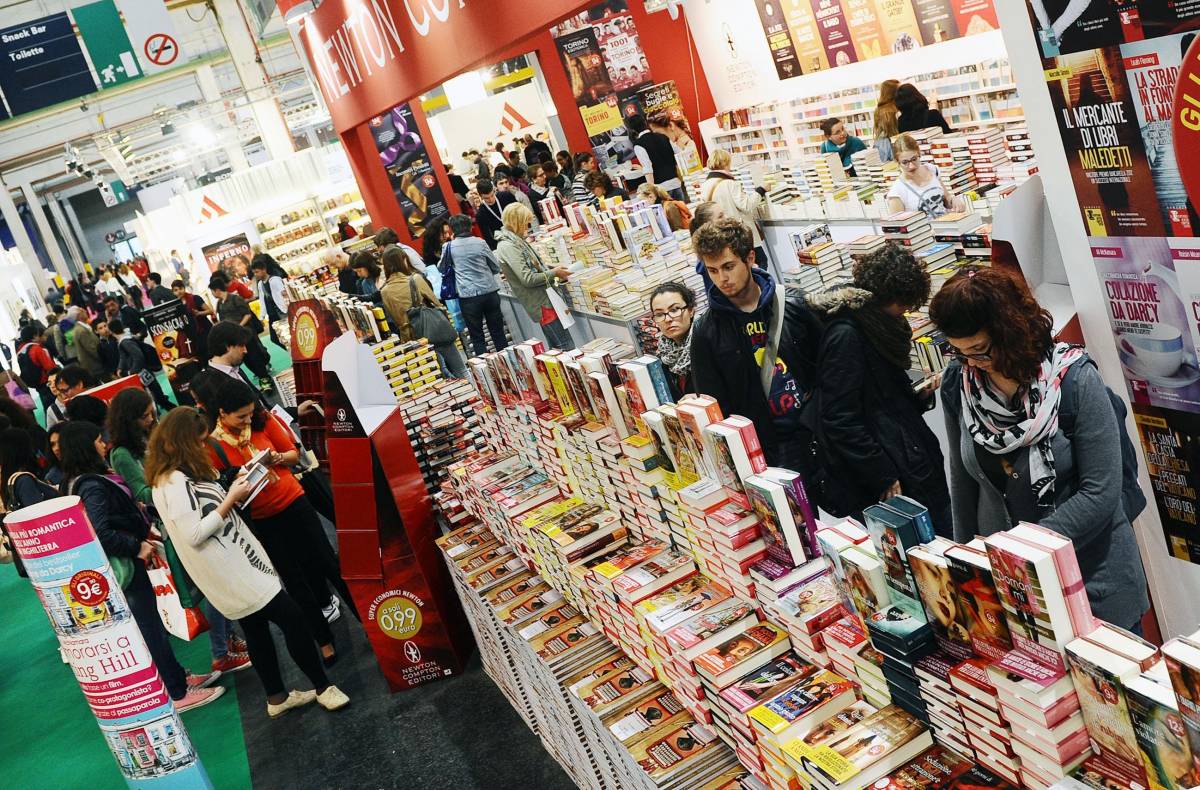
<point>34,362</point>
<point>1034,437</point>
<point>138,359</point>
<point>872,438</point>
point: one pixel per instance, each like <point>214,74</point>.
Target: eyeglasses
<point>950,352</point>
<point>671,312</point>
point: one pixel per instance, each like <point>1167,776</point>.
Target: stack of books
<point>1017,144</point>
<point>940,767</point>
<point>806,611</point>
<point>844,640</point>
<point>909,229</point>
<point>443,425</point>
<point>864,246</point>
<point>950,227</point>
<point>987,153</point>
<point>977,244</point>
<point>862,753</point>
<point>409,367</point>
<point>988,732</point>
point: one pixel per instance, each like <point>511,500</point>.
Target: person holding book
<point>673,306</point>
<point>227,562</point>
<point>919,187</point>
<point>873,438</point>
<point>841,142</point>
<point>1033,436</point>
<point>886,119</point>
<point>678,215</point>
<point>731,342</point>
<point>529,278</point>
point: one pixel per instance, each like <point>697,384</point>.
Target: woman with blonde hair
<point>529,277</point>
<point>721,187</point>
<point>678,215</point>
<point>919,187</point>
<point>886,124</point>
<point>227,562</point>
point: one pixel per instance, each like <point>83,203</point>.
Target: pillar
<point>43,226</point>
<point>66,232</point>
<point>8,208</point>
<point>212,94</point>
<point>243,50</point>
<point>80,236</point>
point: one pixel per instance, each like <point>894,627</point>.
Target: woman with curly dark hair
<point>870,430</point>
<point>1033,436</point>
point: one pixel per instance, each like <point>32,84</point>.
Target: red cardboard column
<point>373,181</point>
<point>435,158</point>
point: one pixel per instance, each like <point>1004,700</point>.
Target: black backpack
<point>1133,499</point>
<point>31,372</point>
<point>153,361</point>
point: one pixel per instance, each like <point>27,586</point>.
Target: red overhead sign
<point>370,55</point>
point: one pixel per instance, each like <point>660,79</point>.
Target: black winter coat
<point>872,431</point>
<point>119,523</point>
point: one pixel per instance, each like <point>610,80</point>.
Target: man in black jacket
<point>489,209</point>
<point>729,341</point>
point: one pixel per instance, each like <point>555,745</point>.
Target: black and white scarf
<point>1031,421</point>
<point>676,357</point>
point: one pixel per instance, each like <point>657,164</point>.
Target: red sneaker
<point>237,645</point>
<point>232,662</point>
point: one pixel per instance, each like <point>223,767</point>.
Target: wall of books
<point>1111,73</point>
<point>664,610</point>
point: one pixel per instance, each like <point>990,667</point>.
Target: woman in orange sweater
<point>282,517</point>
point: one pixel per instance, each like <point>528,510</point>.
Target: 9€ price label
<point>89,587</point>
<point>398,617</point>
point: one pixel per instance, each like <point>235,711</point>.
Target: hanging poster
<point>41,64</point>
<point>228,249</point>
<point>1167,17</point>
<point>1152,69</point>
<point>975,16</point>
<point>865,30</point>
<point>779,39</point>
<point>1066,26</point>
<point>900,30</point>
<point>594,93</point>
<point>101,643</point>
<point>406,160</point>
<point>936,20</point>
<point>806,38</point>
<point>1099,127</point>
<point>662,99</point>
<point>1152,287</point>
<point>1171,442</point>
<point>109,48</point>
<point>172,331</point>
<point>624,59</point>
<point>835,32</point>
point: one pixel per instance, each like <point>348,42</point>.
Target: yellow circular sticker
<point>398,617</point>
<point>306,334</point>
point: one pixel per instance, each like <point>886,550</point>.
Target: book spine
<point>808,529</point>
<point>755,457</point>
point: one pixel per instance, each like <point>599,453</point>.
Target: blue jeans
<point>557,337</point>
<point>218,631</point>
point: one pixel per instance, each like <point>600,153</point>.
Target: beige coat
<point>397,300</point>
<point>734,201</point>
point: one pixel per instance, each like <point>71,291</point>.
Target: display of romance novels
<point>867,751</point>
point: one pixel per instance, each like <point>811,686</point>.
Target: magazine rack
<point>385,525</point>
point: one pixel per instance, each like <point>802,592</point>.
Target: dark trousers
<point>46,395</point>
<point>140,596</point>
<point>286,614</point>
<point>475,310</point>
<point>160,398</point>
<point>258,359</point>
<point>298,564</point>
<point>557,336</point>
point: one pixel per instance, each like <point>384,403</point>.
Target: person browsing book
<point>227,562</point>
<point>919,187</point>
<point>730,342</point>
<point>673,306</point>
<point>406,288</point>
<point>885,119</point>
<point>915,112</point>
<point>873,438</point>
<point>841,142</point>
<point>722,187</point>
<point>1033,436</point>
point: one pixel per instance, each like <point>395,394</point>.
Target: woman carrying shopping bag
<point>530,280</point>
<point>407,295</point>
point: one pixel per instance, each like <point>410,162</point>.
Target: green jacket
<point>526,274</point>
<point>130,469</point>
<point>87,346</point>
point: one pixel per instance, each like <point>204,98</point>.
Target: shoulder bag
<point>428,321</point>
<point>449,278</point>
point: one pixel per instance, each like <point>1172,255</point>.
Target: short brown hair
<point>178,443</point>
<point>983,299</point>
<point>726,232</point>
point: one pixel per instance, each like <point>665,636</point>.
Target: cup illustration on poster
<point>406,160</point>
<point>1171,441</point>
<point>101,642</point>
<point>1150,285</point>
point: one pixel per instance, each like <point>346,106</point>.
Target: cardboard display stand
<point>385,525</point>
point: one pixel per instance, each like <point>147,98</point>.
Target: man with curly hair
<point>873,438</point>
<point>730,341</point>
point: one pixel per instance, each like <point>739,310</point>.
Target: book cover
<point>710,623</point>
<point>875,738</point>
<point>688,466</point>
<point>900,30</point>
<point>769,502</point>
<point>748,690</point>
<point>803,512</point>
<point>933,769</point>
<point>695,413</point>
<point>800,700</point>
<point>1161,736</point>
<point>1067,564</point>
<point>657,377</point>
<point>893,535</point>
<point>865,30</point>
<point>806,37</point>
<point>779,39</point>
<point>663,452</point>
<point>1183,667</point>
<point>1029,590</point>
<point>731,653</point>
<point>835,32</point>
<point>864,580</point>
<point>936,19</point>
<point>659,753</point>
<point>940,600</point>
<point>682,602</point>
<point>1167,437</point>
<point>1076,28</point>
<point>978,602</point>
<point>1099,679</point>
<point>975,16</point>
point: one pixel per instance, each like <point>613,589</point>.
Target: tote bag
<point>427,321</point>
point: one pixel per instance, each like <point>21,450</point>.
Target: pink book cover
<point>1072,582</point>
<point>758,461</point>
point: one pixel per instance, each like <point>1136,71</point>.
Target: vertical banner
<point>835,32</point>
<point>806,38</point>
<point>1171,440</point>
<point>152,34</point>
<point>170,327</point>
<point>406,160</point>
<point>41,64</point>
<point>102,644</point>
<point>936,19</point>
<point>900,30</point>
<point>865,31</point>
<point>663,100</point>
<point>109,48</point>
<point>779,38</point>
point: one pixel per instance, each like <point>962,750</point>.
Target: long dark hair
<point>77,450</point>
<point>124,421</point>
<point>431,242</point>
<point>233,395</point>
<point>16,454</point>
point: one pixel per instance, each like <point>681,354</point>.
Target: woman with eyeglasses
<point>919,187</point>
<point>673,308</point>
<point>1033,436</point>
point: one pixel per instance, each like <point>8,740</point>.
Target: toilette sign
<point>368,54</point>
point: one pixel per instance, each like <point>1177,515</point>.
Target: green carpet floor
<point>48,736</point>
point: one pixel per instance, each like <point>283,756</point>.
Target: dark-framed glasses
<point>670,312</point>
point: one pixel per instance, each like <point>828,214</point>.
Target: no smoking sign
<point>161,49</point>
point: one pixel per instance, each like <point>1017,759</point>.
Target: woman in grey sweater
<point>1006,400</point>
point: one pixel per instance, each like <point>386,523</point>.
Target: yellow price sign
<point>398,617</point>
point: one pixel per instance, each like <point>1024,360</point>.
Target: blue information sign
<point>41,64</point>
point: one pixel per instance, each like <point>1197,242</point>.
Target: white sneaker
<point>295,699</point>
<point>332,698</point>
<point>333,611</point>
<point>198,697</point>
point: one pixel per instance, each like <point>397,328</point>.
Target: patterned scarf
<point>240,440</point>
<point>1031,422</point>
<point>676,357</point>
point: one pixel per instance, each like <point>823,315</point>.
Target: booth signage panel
<point>104,36</point>
<point>369,55</point>
<point>42,64</point>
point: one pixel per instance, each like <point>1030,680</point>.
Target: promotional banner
<point>779,39</point>
<point>217,253</point>
<point>865,30</point>
<point>406,160</point>
<point>1171,441</point>
<point>617,37</point>
<point>1066,26</point>
<point>102,644</point>
<point>41,64</point>
<point>170,328</point>
<point>107,44</point>
<point>835,32</point>
<point>806,37</point>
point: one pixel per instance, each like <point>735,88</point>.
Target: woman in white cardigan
<point>722,187</point>
<point>227,562</point>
